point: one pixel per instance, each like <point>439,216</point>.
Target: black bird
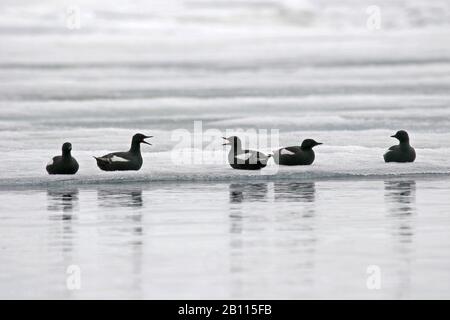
<point>297,156</point>
<point>402,152</point>
<point>244,159</point>
<point>64,164</point>
<point>123,161</point>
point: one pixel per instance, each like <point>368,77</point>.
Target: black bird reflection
<point>61,203</point>
<point>62,200</point>
<point>401,197</point>
<point>129,198</point>
<point>117,197</point>
<point>286,211</point>
<point>295,191</point>
<point>241,192</point>
<point>303,193</point>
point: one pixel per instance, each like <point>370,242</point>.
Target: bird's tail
<point>268,156</point>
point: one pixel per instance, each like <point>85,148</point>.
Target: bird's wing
<point>393,148</point>
<point>243,156</point>
<point>115,157</point>
<point>252,157</point>
<point>262,156</point>
<point>118,159</point>
<point>289,150</point>
<point>52,162</point>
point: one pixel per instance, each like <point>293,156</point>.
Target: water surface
<point>186,229</point>
<point>262,240</point>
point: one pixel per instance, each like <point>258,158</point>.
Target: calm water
<point>228,240</point>
<point>180,229</point>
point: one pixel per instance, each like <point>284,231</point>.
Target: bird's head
<point>232,141</point>
<point>310,143</point>
<point>140,138</point>
<point>66,148</point>
<point>401,135</point>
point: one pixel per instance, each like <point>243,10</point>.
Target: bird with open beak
<point>241,159</point>
<point>124,161</point>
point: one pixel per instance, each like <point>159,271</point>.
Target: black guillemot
<point>297,155</point>
<point>64,164</point>
<point>403,152</point>
<point>124,161</point>
<point>244,159</point>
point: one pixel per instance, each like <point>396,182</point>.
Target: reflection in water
<point>61,203</point>
<point>242,192</point>
<point>116,197</point>
<point>64,201</point>
<point>295,191</point>
<point>242,195</point>
<point>123,198</point>
<point>125,227</point>
<point>400,197</point>
<point>302,197</point>
<point>265,223</point>
<point>301,192</point>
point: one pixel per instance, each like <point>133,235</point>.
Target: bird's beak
<point>226,143</point>
<point>394,136</point>
<point>147,137</point>
<point>318,143</point>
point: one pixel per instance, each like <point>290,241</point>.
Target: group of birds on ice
<point>238,158</point>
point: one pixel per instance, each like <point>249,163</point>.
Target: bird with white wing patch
<point>124,161</point>
<point>244,159</point>
<point>297,155</point>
